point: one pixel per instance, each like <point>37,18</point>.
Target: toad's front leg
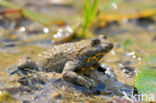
<point>70,75</point>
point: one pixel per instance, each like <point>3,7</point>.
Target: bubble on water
<point>69,29</point>
<point>59,34</point>
<point>113,52</point>
<point>115,6</point>
<point>55,35</point>
<point>60,30</point>
<point>45,30</point>
<point>121,65</point>
<point>134,56</point>
<point>131,53</point>
<point>139,59</point>
<point>22,29</point>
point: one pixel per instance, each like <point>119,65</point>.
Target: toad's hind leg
<point>25,66</point>
<point>73,77</point>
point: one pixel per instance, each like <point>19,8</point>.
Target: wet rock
<point>25,101</point>
<point>124,100</point>
<point>130,71</point>
<point>100,89</point>
<point>9,44</point>
<point>123,77</point>
<point>32,82</point>
<point>50,87</point>
<point>125,63</point>
<point>107,70</point>
<point>110,85</point>
<point>13,90</point>
<point>144,21</point>
<point>6,23</point>
<point>50,93</point>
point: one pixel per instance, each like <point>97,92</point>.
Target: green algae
<point>6,98</point>
<point>146,81</point>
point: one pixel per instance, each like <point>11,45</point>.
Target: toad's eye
<point>95,42</point>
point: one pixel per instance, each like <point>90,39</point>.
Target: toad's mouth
<point>107,47</point>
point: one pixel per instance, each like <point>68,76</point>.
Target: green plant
<point>146,82</point>
<point>90,11</point>
<point>127,43</point>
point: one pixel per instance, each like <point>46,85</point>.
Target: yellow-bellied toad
<point>68,58</point>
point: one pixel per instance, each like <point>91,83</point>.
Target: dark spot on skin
<point>99,56</point>
<point>92,60</point>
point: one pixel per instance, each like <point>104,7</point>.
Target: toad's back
<point>55,58</point>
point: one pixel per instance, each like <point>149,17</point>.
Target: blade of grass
<point>86,16</point>
<point>34,16</point>
<point>94,8</point>
<point>8,4</point>
<point>90,11</point>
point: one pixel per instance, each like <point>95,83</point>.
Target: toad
<point>69,59</point>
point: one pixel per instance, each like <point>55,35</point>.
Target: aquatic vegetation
<point>90,11</point>
<point>150,59</point>
<point>145,82</point>
<point>127,43</point>
<point>6,98</point>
